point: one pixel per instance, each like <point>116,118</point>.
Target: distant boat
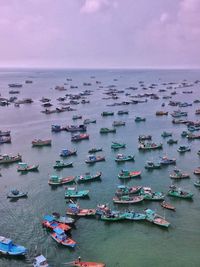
<point>125,174</point>
<point>5,139</point>
<point>107,130</point>
<point>8,248</point>
<point>88,177</point>
<point>4,133</point>
<point>94,150</point>
<point>66,152</point>
<point>122,158</point>
<point>76,128</point>
<point>167,206</point>
<point>80,263</point>
<point>60,164</point>
<point>107,113</point>
<point>56,180</point>
<point>39,142</point>
<point>93,159</point>
<point>79,137</point>
<point>40,261</point>
<point>6,159</point>
<point>180,193</point>
<point>24,167</point>
<point>16,194</point>
<point>151,216</point>
<point>149,146</point>
<point>72,192</point>
<point>50,223</point>
<point>15,85</point>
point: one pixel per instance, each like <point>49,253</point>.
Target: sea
<point>117,244</point>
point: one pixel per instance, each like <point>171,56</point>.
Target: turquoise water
<point>117,244</point>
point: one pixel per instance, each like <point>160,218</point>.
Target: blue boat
<point>67,152</point>
<point>8,248</point>
<point>134,216</point>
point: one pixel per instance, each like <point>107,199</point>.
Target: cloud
<point>93,6</point>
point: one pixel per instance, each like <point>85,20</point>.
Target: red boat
<point>50,223</point>
<point>87,264</point>
<point>167,206</point>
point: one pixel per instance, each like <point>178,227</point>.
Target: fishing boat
<point>4,133</point>
<point>79,263</point>
<point>178,174</point>
<point>107,113</point>
<point>72,192</point>
<point>5,139</point>
<point>15,85</point>
<point>40,261</point>
<point>107,130</point>
<point>88,121</point>
<point>94,150</point>
<point>166,134</point>
<point>60,237</point>
<point>60,164</point>
<point>125,174</point>
<point>76,128</point>
<point>56,180</point>
<point>178,192</point>
<point>16,194</point>
<point>88,177</point>
<point>118,123</point>
<point>139,119</point>
<point>5,159</point>
<point>7,247</point>
<point>128,199</point>
<point>92,159</point>
<point>75,210</point>
<point>24,167</point>
<point>191,136</point>
<point>39,142</point>
<point>151,216</point>
<point>150,165</point>
<point>197,171</point>
<point>122,112</point>
<point>172,141</point>
<point>123,190</point>
<point>62,219</point>
<point>49,222</point>
<point>167,161</point>
<point>66,152</point>
<point>161,113</point>
<point>148,194</point>
<point>178,114</point>
<point>134,216</point>
<point>144,137</point>
<point>197,183</point>
<point>76,117</point>
<point>123,158</point>
<point>116,145</point>
<point>168,206</point>
<point>79,137</point>
<point>113,216</point>
<point>183,149</point>
<point>145,146</point>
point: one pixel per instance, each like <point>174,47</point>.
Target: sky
<point>100,33</point>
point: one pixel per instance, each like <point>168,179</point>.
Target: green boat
<point>113,216</point>
<point>123,158</point>
<point>145,146</point>
<point>166,134</point>
<point>88,177</point>
<point>107,130</point>
<point>24,167</point>
<point>197,183</point>
<point>178,192</point>
<point>172,141</point>
<point>116,145</point>
<point>139,119</point>
<point>72,192</point>
<point>61,164</point>
<point>154,218</point>
<point>94,150</point>
<point>125,174</point>
<point>148,194</point>
<point>150,165</point>
<point>107,113</point>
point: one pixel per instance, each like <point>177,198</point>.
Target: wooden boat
<point>107,130</point>
<point>172,141</point>
<point>144,137</point>
<point>88,177</point>
<point>24,167</point>
<point>118,123</point>
<point>94,150</point>
<point>49,222</point>
<point>151,216</point>
<point>7,247</point>
<point>75,210</point>
<point>60,237</point>
<point>197,171</point>
<point>76,128</point>
<point>148,194</point>
<point>71,192</point>
<point>107,113</point>
<point>39,142</point>
<point>5,139</point>
<point>123,158</point>
<point>66,152</point>
<point>123,190</point>
<point>150,165</point>
<point>178,192</point>
<point>161,113</point>
<point>40,261</point>
<point>79,263</point>
<point>56,180</point>
<point>116,145</point>
<point>183,149</point>
<point>179,175</point>
<point>139,119</point>
<point>62,219</point>
<point>5,159</point>
<point>166,161</point>
<point>128,199</point>
<point>134,216</point>
<point>79,137</point>
<point>92,159</point>
<point>125,174</point>
<point>16,194</point>
<point>145,146</point>
<point>166,134</point>
<point>113,216</point>
<point>122,112</point>
<point>61,164</point>
<point>167,206</point>
<point>4,133</point>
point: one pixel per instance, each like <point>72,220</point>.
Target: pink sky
<point>100,33</point>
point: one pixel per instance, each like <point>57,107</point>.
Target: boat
<point>107,113</point>
<point>184,134</point>
<point>148,194</point>
<point>76,128</point>
<point>197,171</point>
<point>118,123</point>
<point>125,174</point>
<point>92,159</point>
<point>4,133</point>
<point>88,177</point>
<point>134,216</point>
<point>139,119</point>
<point>178,174</point>
<point>168,206</point>
<point>122,112</point>
<point>15,85</point>
<point>116,145</point>
<point>5,139</point>
<point>126,199</point>
<point>5,159</point>
<point>16,194</point>
<point>49,222</point>
<point>166,134</point>
<point>60,237</point>
<point>183,149</point>
<point>88,121</point>
<point>40,261</point>
<point>56,180</point>
<point>79,137</point>
<point>178,192</point>
<point>123,190</point>
<point>167,161</point>
<point>56,128</point>
<point>178,114</point>
<point>172,141</point>
<point>66,152</point>
<point>7,247</point>
<point>145,146</point>
<point>151,216</point>
<point>24,167</point>
<point>60,164</point>
<point>39,142</point>
<point>74,210</point>
<point>79,263</point>
<point>62,219</point>
<point>94,150</point>
<point>123,158</point>
<point>107,130</point>
<point>150,165</point>
<point>76,117</point>
<point>113,216</point>
<point>197,183</point>
<point>72,192</point>
<point>144,137</point>
<point>161,113</point>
